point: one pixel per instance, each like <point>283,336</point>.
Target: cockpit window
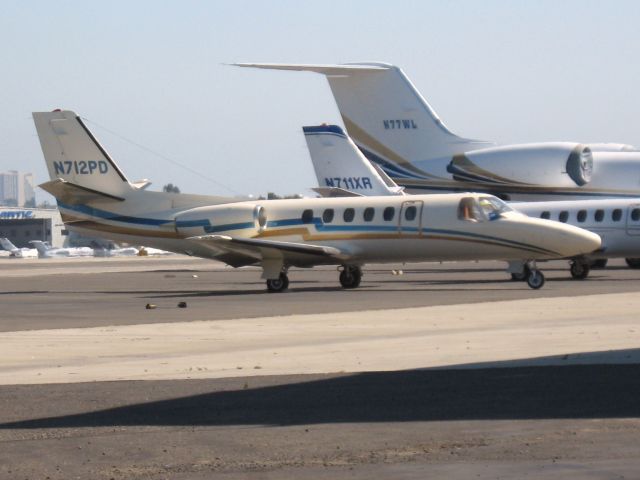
<point>493,207</point>
<point>469,210</point>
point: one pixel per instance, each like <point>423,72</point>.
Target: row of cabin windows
<point>368,214</point>
<point>598,215</point>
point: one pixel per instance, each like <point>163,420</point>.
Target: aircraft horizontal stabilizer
<point>293,253</point>
<point>324,69</point>
<point>73,194</point>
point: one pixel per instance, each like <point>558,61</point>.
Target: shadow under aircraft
<point>520,389</point>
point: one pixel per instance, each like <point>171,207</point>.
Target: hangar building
<point>21,224</point>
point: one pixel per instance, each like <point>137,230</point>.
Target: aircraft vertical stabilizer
<point>339,164</point>
<point>385,115</point>
<point>74,155</point>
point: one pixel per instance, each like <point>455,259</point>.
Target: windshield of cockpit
<point>493,207</point>
<point>481,209</point>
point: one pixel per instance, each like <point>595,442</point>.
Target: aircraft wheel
<point>350,276</point>
<point>535,279</point>
<point>599,264</point>
<point>633,262</point>
<point>279,284</point>
<point>579,270</point>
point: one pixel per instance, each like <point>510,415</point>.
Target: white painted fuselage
<point>616,221</point>
<point>422,228</point>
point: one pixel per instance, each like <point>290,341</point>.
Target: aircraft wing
<point>257,250</point>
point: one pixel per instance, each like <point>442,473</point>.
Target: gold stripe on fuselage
<point>303,232</point>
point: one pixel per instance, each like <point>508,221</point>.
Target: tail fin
<point>74,156</point>
<point>339,164</point>
<point>385,115</point>
<point>40,246</point>
<point>7,245</point>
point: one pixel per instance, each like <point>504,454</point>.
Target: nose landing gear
<point>530,274</point>
<point>535,279</point>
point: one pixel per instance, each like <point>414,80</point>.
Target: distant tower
<point>17,189</point>
<point>27,196</point>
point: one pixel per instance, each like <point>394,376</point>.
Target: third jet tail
<point>340,165</point>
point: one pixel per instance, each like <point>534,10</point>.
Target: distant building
<point>17,189</point>
<point>20,225</point>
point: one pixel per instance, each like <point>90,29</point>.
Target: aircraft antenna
<point>164,157</point>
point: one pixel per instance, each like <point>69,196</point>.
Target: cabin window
<point>582,215</point>
<point>564,216</point>
<point>635,214</point>
<point>410,213</point>
<point>469,210</point>
<point>348,215</point>
<point>327,215</point>
<point>616,215</point>
<point>307,216</point>
<point>388,214</point>
<point>368,214</point>
<point>599,215</point>
<point>546,215</point>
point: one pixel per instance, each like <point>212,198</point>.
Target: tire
<point>535,279</point>
<point>633,262</point>
<point>279,284</point>
<point>579,270</point>
<point>598,264</point>
<point>350,277</point>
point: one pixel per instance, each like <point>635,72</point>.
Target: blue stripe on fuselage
<point>115,217</point>
<point>316,222</point>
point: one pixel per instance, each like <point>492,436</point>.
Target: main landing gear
<point>633,262</point>
<point>350,276</point>
<point>279,284</point>
<point>530,274</point>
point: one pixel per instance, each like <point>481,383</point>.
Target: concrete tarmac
<point>444,371</point>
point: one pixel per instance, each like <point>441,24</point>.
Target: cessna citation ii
<point>47,251</point>
<point>95,198</point>
<point>342,167</point>
<point>395,127</point>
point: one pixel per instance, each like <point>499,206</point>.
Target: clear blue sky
<point>152,71</point>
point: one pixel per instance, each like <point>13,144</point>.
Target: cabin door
<point>633,219</point>
<point>410,222</point>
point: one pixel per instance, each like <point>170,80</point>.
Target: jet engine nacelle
<point>611,147</point>
<point>558,165</point>
<point>239,220</point>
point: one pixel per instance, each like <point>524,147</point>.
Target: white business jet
<point>95,198</point>
<point>395,127</point>
<point>47,251</point>
<point>17,252</point>
<point>339,163</point>
<point>116,252</point>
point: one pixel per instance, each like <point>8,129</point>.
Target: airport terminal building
<point>20,225</point>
